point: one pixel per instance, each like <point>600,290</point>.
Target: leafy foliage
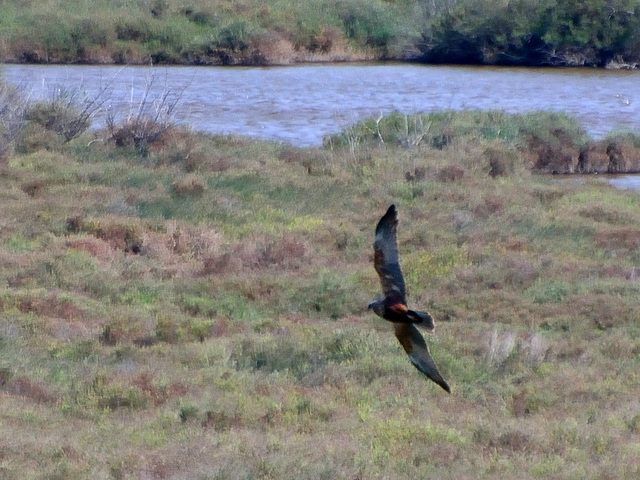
<point>519,32</point>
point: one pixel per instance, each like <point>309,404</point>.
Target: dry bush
<point>271,48</point>
<point>119,234</point>
<point>501,346</point>
<point>285,252</point>
<point>139,133</point>
<point>532,348</point>
<point>328,45</point>
<point>128,329</point>
<point>551,155</point>
<point>148,121</point>
<point>618,271</point>
<point>328,39</point>
<point>618,154</point>
<point>502,160</point>
<point>520,272</point>
<point>200,242</point>
<point>110,392</point>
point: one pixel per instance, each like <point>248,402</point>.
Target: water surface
<point>301,104</point>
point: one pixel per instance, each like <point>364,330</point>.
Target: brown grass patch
<point>618,239</point>
<point>25,387</point>
<point>158,394</point>
<point>286,252</point>
<point>551,155</point>
<point>120,234</point>
<point>95,247</point>
<point>314,161</point>
<point>221,421</point>
<point>271,48</point>
<point>35,188</point>
<point>451,173</point>
<point>190,186</point>
<point>47,305</point>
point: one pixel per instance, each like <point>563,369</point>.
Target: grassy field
<point>195,307</point>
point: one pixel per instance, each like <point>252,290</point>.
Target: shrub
<point>235,36</point>
<point>63,118</point>
<point>107,393</point>
<point>502,161</point>
<point>35,137</point>
<point>121,235</point>
<point>152,120</point>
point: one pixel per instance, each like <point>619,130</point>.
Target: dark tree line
<point>534,32</point>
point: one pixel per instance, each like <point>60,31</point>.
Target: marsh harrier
<point>392,306</point>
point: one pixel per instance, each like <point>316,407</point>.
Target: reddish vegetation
<point>23,386</point>
<point>617,155</point>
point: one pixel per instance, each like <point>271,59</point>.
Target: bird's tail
<point>422,320</point>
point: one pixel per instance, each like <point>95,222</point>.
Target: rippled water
<point>301,104</point>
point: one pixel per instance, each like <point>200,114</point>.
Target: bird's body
<point>392,306</point>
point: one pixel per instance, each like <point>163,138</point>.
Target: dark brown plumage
<point>392,306</point>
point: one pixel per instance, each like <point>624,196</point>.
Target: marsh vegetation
<point>197,307</point>
<point>252,32</point>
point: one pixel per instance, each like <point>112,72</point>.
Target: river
<point>301,104</point>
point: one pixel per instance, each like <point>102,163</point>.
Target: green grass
<point>162,321</point>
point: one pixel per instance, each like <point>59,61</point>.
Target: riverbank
<point>276,32</point>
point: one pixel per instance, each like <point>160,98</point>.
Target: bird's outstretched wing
<point>385,247</point>
<point>416,347</point>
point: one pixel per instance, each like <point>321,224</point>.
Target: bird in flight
<point>392,306</point>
